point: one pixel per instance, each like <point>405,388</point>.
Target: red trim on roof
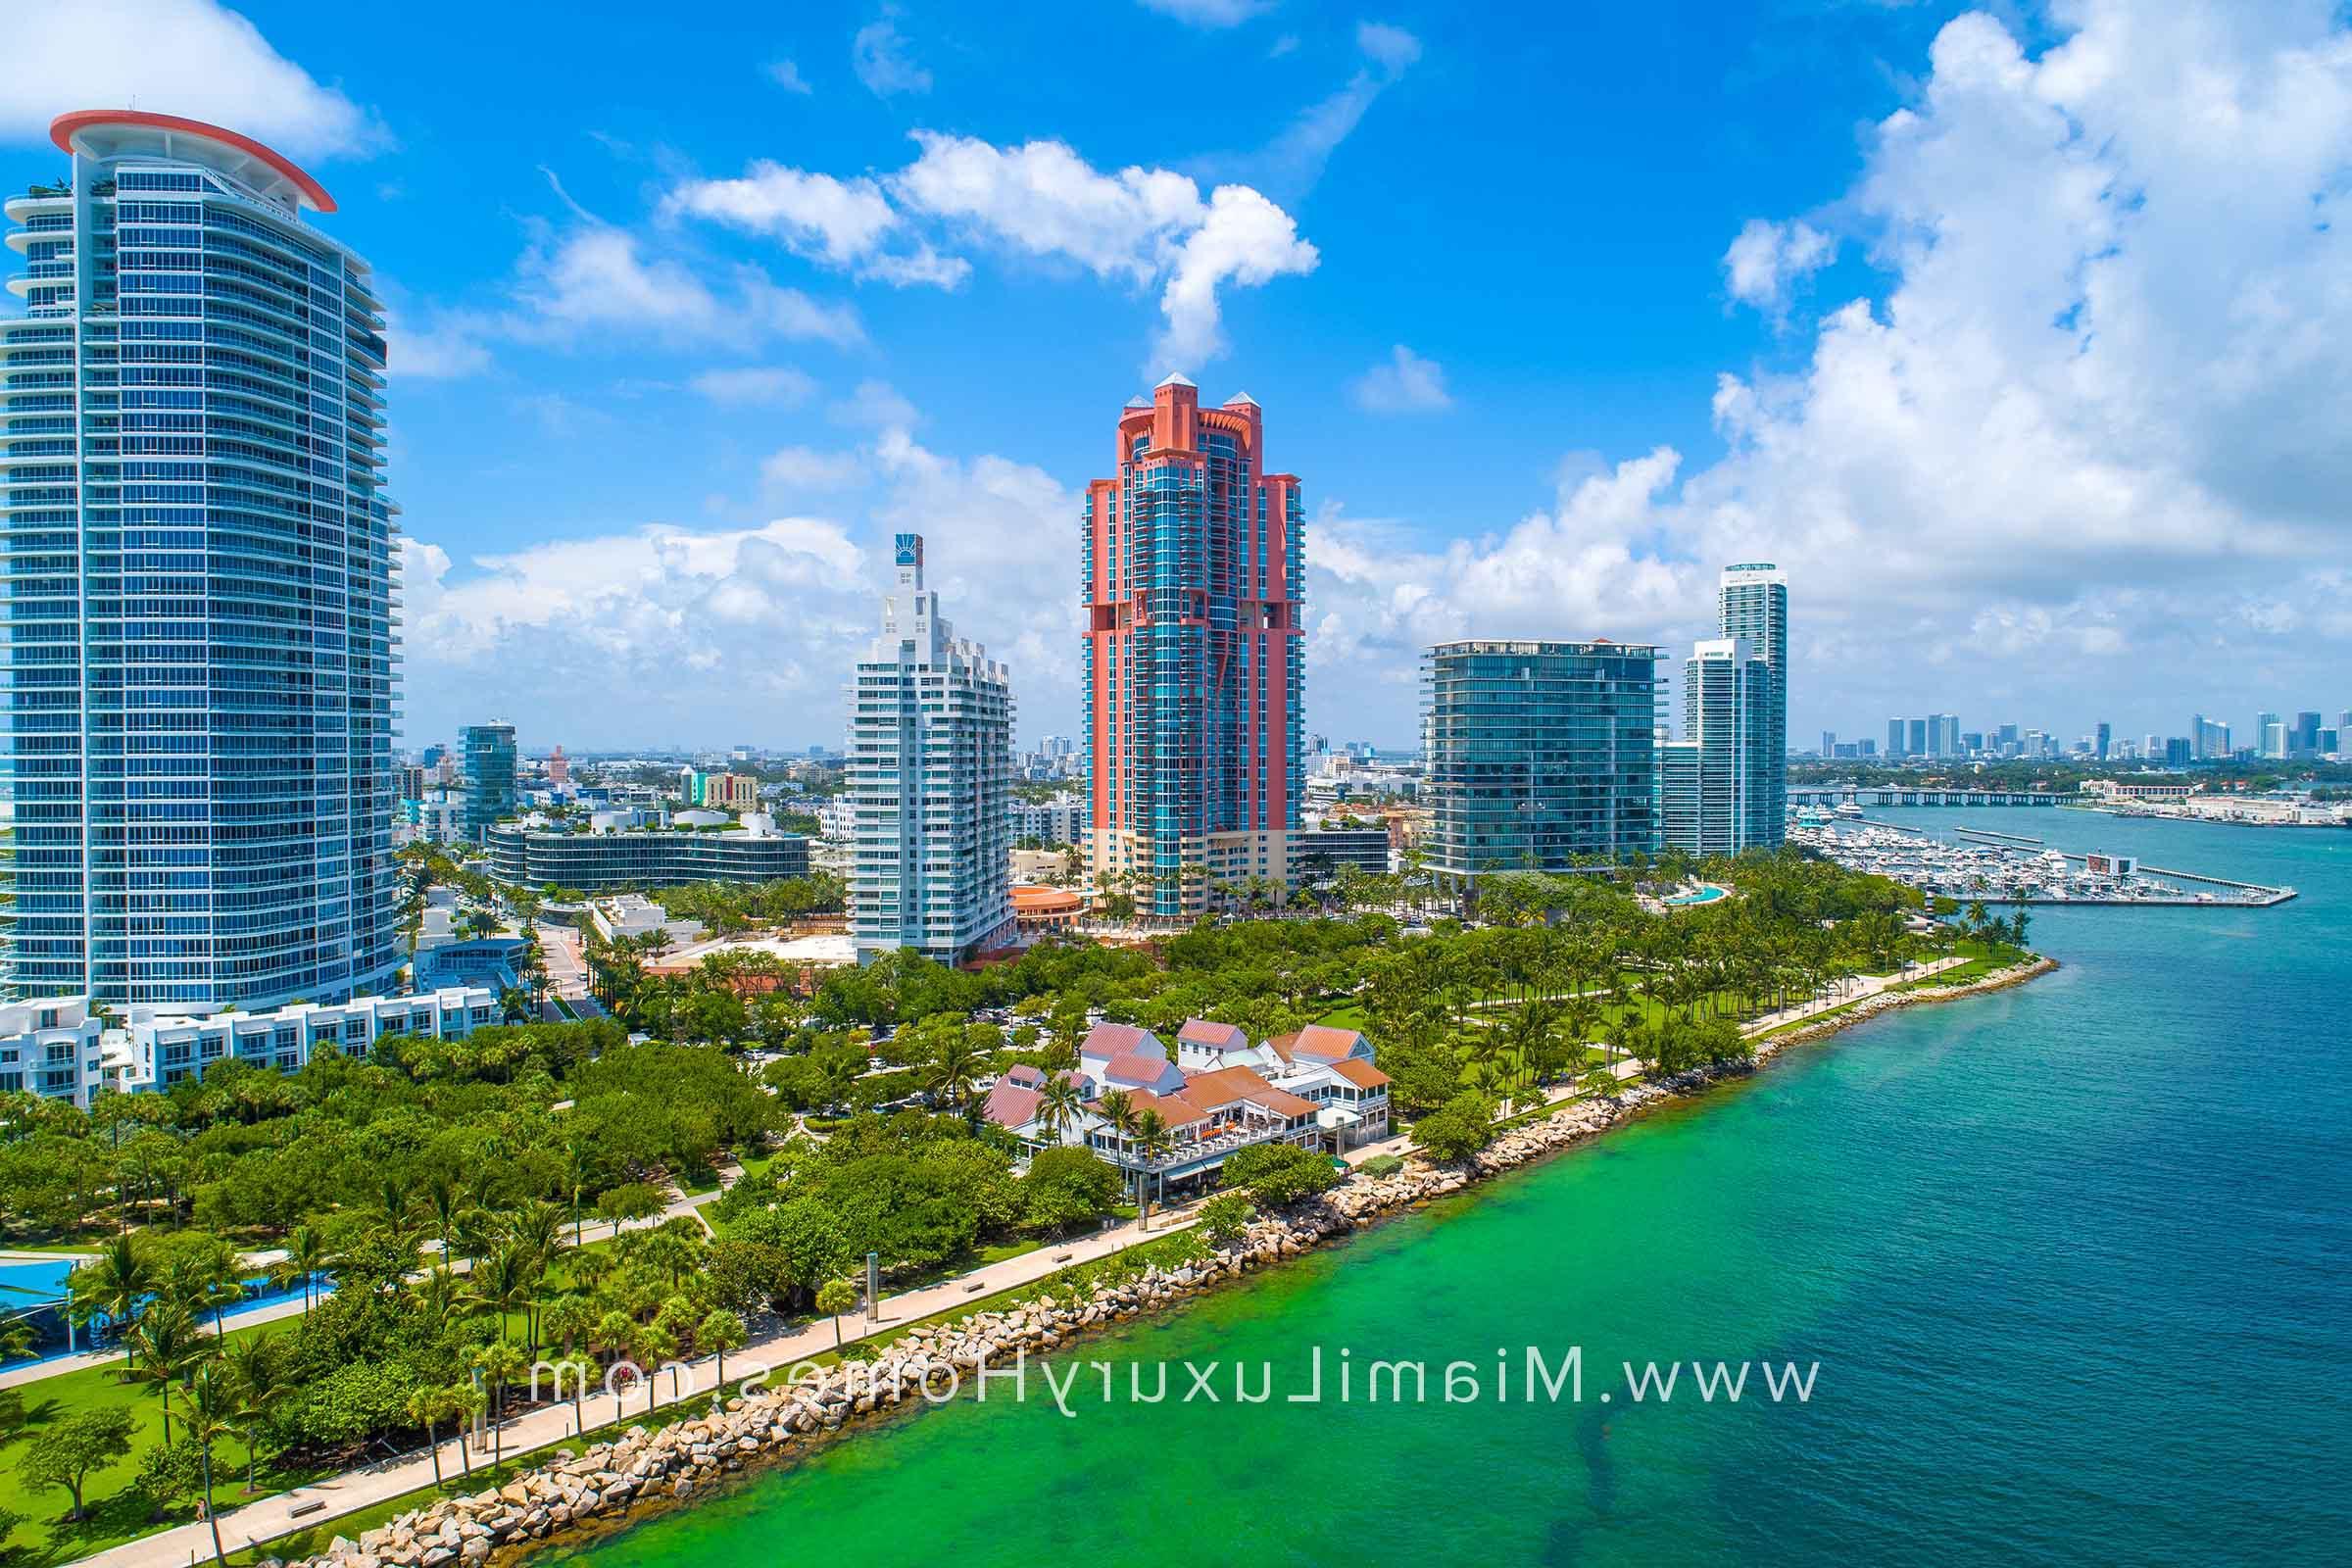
<point>61,130</point>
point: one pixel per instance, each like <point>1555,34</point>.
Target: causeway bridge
<point>1893,795</point>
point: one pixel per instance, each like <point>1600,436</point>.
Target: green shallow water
<point>2073,1258</point>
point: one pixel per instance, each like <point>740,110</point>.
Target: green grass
<point>1351,1016</point>
<point>313,1538</point>
<point>116,1512</point>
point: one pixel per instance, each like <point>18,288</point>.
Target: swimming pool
<point>36,1289</point>
<point>32,1282</point>
<point>1706,895</point>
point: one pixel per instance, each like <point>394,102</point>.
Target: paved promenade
<point>356,1489</point>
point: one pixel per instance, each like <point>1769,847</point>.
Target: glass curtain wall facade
<point>1192,570</point>
<point>1717,782</point>
<point>490,791</point>
<point>1540,754</point>
<point>930,778</point>
<point>1753,600</point>
<point>199,657</point>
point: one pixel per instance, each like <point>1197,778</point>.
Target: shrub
<point>1381,1165</point>
<point>1223,1218</point>
<point>1280,1174</point>
<point>1066,1186</point>
<point>1464,1127</point>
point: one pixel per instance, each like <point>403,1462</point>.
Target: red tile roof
<point>1228,1085</point>
<point>1325,1044</point>
<point>1137,1069</point>
<point>1215,1036</point>
<point>1362,1073</point>
<point>1009,1104</point>
<point>1118,1040</point>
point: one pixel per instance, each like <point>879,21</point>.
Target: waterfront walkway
<point>356,1489</point>
<point>1865,986</point>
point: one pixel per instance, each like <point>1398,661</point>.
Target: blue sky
<point>2036,384</point>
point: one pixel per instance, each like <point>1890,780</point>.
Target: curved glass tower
<point>198,656</point>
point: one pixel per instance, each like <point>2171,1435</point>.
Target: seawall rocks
<point>689,1453</point>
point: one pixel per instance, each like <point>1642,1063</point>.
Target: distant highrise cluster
<point>1194,572</point>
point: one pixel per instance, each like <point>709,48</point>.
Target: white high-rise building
<point>930,778</point>
<point>197,638</point>
<point>1716,783</point>
<point>1752,602</point>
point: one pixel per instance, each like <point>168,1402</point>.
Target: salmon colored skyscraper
<point>1194,576</point>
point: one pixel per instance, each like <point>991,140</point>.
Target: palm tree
<point>392,1201</point>
<point>169,1343</point>
<point>499,1283</point>
<point>613,1334</point>
<point>568,1321</point>
<point>1153,1140</point>
<point>209,1413</point>
<point>1118,1109</point>
<point>653,1345</point>
<point>720,1332</point>
<point>834,1297</point>
<point>436,1294</point>
<point>1059,1105</point>
<point>257,1375</point>
<point>952,1072</point>
<point>448,1205</point>
<point>575,1370</point>
<point>306,1259</point>
<point>539,1225</point>
<point>204,1275</point>
<point>499,1363</point>
<point>112,1284</point>
<point>426,1407</point>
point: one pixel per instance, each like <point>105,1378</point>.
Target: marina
<point>2010,868</point>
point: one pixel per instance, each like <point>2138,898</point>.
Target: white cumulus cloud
<point>1406,384</point>
<point>780,386</point>
<point>191,57</point>
<point>682,632</point>
<point>2097,410</point>
<point>1768,259</point>
<point>1137,227</point>
<point>882,60</point>
<point>1210,13</point>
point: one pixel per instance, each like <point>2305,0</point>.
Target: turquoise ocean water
<point>2074,1261</point>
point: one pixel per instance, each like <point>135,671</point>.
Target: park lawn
<point>116,1512</point>
<point>1351,1016</point>
<point>314,1539</point>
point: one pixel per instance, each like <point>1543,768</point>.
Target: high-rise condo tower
<point>1193,572</point>
<point>1753,603</point>
<point>199,644</point>
<point>930,778</point>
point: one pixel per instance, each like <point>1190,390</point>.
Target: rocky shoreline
<point>686,1456</point>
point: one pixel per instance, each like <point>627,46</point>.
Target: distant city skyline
<point>666,382</point>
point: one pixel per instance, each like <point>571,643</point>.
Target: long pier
<point>2245,894</point>
<point>2018,839</point>
<point>2270,894</point>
